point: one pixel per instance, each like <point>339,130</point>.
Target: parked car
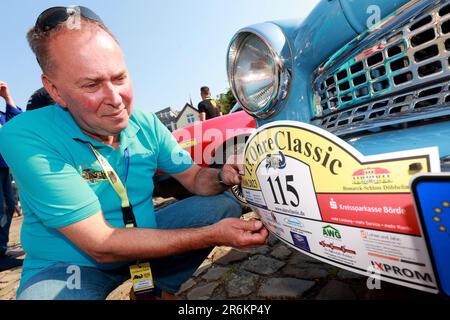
<point>210,144</point>
<point>375,73</point>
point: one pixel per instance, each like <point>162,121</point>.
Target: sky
<point>171,47</point>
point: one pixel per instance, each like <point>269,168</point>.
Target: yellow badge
<point>141,277</point>
<point>188,143</point>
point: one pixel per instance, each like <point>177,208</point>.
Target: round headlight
<point>260,69</point>
<point>255,79</point>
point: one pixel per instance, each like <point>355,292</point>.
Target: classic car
<point>373,74</point>
<point>210,144</point>
<point>381,87</point>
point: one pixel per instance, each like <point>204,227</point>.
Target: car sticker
<point>324,198</point>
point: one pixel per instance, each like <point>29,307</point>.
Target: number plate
<point>321,196</point>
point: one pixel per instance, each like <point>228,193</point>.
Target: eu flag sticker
<point>432,197</point>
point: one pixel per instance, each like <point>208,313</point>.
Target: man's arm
<point>205,181</point>
<point>5,94</point>
<point>201,112</point>
<point>106,244</point>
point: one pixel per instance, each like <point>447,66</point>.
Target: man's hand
<point>4,93</point>
<point>238,233</point>
<point>233,170</point>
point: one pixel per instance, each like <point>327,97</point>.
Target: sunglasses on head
<point>52,17</point>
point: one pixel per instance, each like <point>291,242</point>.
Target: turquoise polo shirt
<point>60,181</point>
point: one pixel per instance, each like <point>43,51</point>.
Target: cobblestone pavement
<point>273,271</point>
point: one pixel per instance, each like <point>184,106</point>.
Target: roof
<point>186,106</point>
<point>167,115</point>
<point>168,109</point>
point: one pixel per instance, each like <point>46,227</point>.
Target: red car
<point>210,143</point>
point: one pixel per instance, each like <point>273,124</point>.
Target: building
<point>168,117</point>
<point>187,116</point>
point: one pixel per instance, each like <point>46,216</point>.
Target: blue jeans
<point>6,208</point>
<point>58,282</point>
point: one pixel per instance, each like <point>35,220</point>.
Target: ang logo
<point>402,272</point>
<point>329,231</point>
<point>276,161</point>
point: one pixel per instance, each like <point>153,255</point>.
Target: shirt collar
<point>63,117</point>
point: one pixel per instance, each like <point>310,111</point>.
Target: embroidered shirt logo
<point>92,175</point>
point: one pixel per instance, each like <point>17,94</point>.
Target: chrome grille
<point>432,101</point>
<point>396,77</point>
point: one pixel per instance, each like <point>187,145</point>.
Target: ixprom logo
<point>401,272</point>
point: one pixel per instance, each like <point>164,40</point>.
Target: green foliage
<point>226,101</point>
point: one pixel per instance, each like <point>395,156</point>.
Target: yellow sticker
<point>141,277</point>
<point>335,167</point>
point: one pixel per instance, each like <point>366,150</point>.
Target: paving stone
<point>214,273</point>
<point>9,292</point>
<point>241,284</point>
<point>187,285</point>
<point>263,265</point>
<point>272,240</point>
<point>258,250</point>
<point>231,257</point>
<point>203,292</point>
<point>281,252</point>
<point>287,288</point>
<point>202,268</point>
<point>336,290</point>
<point>347,275</point>
<point>307,271</point>
<point>299,258</point>
<point>219,252</point>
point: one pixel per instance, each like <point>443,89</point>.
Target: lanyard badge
<point>141,278</point>
<point>141,273</point>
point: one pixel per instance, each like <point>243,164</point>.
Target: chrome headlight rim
<point>279,47</point>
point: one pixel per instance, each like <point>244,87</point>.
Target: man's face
<point>91,80</point>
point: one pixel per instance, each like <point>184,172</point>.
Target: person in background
<point>40,98</point>
<point>7,198</point>
<point>208,108</point>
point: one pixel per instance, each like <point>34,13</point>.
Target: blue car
<point>373,72</point>
<point>376,74</point>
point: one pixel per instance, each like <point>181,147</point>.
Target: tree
<point>226,101</point>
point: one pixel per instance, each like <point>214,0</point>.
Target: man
<point>208,108</point>
<point>7,201</point>
<point>84,169</point>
